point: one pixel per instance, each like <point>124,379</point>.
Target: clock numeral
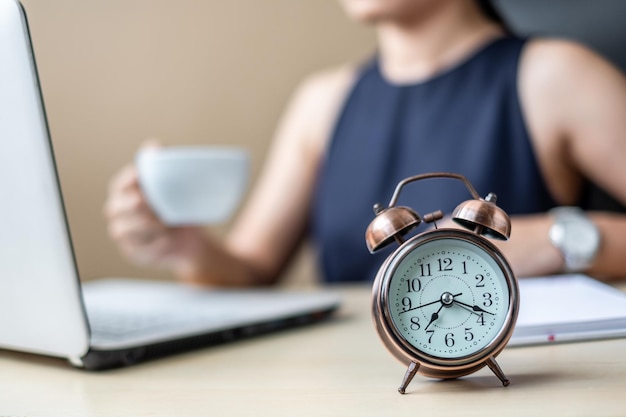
<point>449,339</point>
<point>469,336</point>
<point>414,285</point>
<point>480,278</point>
<point>407,303</point>
<point>488,301</point>
<point>445,264</point>
<point>425,270</point>
<point>481,319</point>
<point>430,335</point>
<point>464,267</point>
<point>415,323</point>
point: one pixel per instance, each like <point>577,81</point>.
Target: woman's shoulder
<point>329,84</point>
<point>318,101</point>
<point>561,63</point>
<point>561,48</point>
<point>559,75</point>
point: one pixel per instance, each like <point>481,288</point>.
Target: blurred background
<point>116,72</point>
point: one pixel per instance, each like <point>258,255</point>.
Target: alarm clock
<point>445,302</point>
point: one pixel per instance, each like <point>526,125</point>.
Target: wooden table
<point>338,368</point>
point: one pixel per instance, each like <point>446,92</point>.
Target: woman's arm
<point>575,106</point>
<point>275,218</point>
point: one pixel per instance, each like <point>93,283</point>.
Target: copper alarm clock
<point>445,302</point>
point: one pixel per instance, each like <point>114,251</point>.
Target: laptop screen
<point>40,304</point>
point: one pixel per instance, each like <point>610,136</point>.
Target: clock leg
<point>408,376</point>
<point>495,368</point>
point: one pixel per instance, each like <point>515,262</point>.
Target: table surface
<point>335,368</point>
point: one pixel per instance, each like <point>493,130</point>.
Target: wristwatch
<point>576,236</point>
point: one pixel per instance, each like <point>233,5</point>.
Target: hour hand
<point>434,317</point>
<point>474,308</point>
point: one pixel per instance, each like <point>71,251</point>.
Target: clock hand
<point>418,307</point>
<point>434,317</point>
<point>474,308</point>
<point>446,301</point>
<point>427,304</point>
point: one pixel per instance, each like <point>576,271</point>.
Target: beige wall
<point>115,72</point>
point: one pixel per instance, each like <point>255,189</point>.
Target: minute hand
<point>474,307</point>
<point>427,304</point>
<point>423,305</point>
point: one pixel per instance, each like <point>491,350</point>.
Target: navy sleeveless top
<point>465,120</point>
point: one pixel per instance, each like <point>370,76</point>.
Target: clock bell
<point>482,216</point>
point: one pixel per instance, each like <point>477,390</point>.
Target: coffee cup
<point>193,185</point>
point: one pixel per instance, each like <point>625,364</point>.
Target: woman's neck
<point>415,50</point>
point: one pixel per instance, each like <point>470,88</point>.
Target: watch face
<point>575,236</point>
<point>448,296</point>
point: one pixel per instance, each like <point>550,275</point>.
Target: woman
<point>449,90</point>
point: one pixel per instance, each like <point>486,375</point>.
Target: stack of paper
<point>568,308</point>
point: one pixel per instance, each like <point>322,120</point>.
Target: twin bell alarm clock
<point>445,302</point>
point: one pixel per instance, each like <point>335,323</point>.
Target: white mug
<point>193,185</point>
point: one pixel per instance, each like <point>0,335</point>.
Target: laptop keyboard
<point>113,326</point>
<point>123,312</point>
<point>119,326</point>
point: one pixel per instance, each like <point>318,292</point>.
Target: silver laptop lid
<point>41,307</point>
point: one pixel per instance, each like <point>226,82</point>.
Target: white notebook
<point>568,308</point>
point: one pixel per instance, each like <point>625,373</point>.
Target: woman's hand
<point>140,235</point>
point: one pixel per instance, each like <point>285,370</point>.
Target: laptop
<point>44,307</point>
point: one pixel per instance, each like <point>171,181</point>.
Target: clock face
<point>448,297</point>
